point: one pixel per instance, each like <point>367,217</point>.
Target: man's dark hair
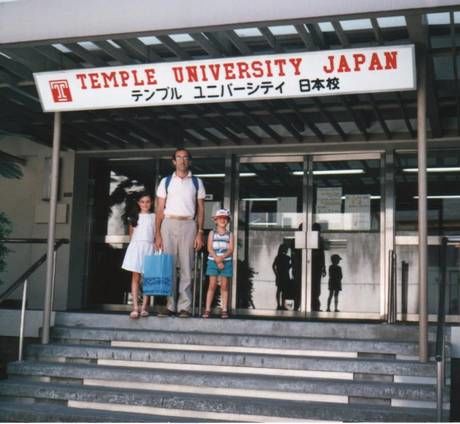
<point>181,149</point>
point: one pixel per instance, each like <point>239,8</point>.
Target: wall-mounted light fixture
<point>438,169</point>
<point>333,172</point>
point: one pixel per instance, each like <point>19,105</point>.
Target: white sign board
<point>319,73</point>
<point>329,207</point>
<point>357,212</point>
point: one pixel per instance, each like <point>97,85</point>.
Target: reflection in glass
<point>122,193</point>
<point>407,280</point>
<point>443,203</point>
<point>114,185</point>
<point>346,206</point>
<point>270,211</point>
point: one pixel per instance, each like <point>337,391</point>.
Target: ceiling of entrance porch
<point>346,118</point>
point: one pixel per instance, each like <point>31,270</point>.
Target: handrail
<point>29,240</point>
<point>33,267</point>
<point>198,281</point>
<point>392,289</point>
<point>23,279</point>
<point>440,342</point>
<point>441,300</point>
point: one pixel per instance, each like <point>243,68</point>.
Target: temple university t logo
<point>61,91</point>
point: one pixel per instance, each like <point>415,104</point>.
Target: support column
<point>422,205</point>
<point>235,211</point>
<point>47,304</point>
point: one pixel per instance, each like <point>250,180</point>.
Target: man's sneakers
<point>166,313</point>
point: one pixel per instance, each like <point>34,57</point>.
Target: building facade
<point>347,162</point>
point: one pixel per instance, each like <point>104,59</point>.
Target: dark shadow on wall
<point>245,286</point>
<point>455,390</point>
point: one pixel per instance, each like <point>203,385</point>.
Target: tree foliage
<point>10,167</point>
<point>5,231</point>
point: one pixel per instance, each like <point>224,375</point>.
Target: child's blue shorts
<point>212,269</point>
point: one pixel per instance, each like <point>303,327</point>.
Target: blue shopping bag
<point>158,274</point>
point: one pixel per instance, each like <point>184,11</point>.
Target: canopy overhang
<point>74,40</point>
<point>82,20</point>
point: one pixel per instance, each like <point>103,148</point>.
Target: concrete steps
<point>46,412</point>
<point>272,363</point>
<point>190,405</point>
<point>253,341</point>
<point>366,331</point>
<point>233,370</point>
<point>208,382</point>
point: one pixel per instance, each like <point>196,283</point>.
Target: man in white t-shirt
<point>179,226</point>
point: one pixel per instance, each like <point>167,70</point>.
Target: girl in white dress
<point>142,233</point>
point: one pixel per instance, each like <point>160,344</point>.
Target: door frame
<point>297,158</point>
<point>337,157</point>
<point>386,217</point>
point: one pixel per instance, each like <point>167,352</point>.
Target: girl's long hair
<point>133,216</point>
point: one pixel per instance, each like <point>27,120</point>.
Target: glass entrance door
<point>345,263</point>
<point>270,209</point>
<point>113,188</point>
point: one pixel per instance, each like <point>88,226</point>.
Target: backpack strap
<point>194,180</point>
<point>195,183</point>
<point>167,182</point>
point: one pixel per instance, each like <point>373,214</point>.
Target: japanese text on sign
<point>233,79</point>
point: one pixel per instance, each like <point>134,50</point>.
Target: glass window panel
<point>270,211</point>
<point>88,45</point>
<point>248,32</point>
<point>443,67</point>
<point>283,30</point>
<point>149,41</point>
<point>438,18</point>
<point>181,38</point>
<point>326,27</point>
<point>61,48</point>
<point>443,192</point>
<point>391,21</point>
<point>217,133</point>
<point>346,209</point>
<point>114,44</point>
<point>354,24</point>
<point>439,41</point>
<point>113,189</point>
<point>408,287</point>
<point>281,130</point>
<point>343,182</point>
